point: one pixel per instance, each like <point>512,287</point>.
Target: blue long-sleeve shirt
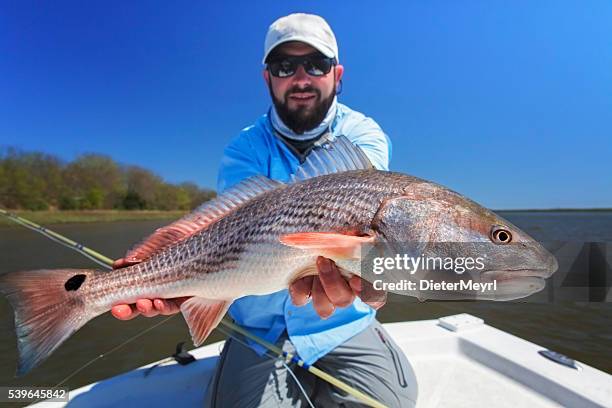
<point>256,150</point>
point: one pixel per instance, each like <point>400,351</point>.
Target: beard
<point>303,118</point>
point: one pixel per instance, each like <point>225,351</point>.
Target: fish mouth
<point>517,283</point>
<point>543,271</point>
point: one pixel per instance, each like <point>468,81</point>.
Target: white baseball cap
<point>307,28</point>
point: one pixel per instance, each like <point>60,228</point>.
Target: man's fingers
<point>364,289</point>
<point>321,303</point>
<point>355,284</point>
<point>168,307</point>
<point>300,290</point>
<point>124,312</point>
<point>148,308</point>
<point>165,307</point>
<point>145,307</point>
<point>336,288</point>
<point>376,304</point>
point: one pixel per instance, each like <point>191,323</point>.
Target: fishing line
<point>55,237</point>
<point>93,360</point>
<point>279,358</point>
<point>113,350</point>
<point>290,371</point>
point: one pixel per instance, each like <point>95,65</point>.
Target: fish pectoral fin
<point>328,244</point>
<point>203,315</point>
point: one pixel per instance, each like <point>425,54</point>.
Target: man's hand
<point>330,290</point>
<point>148,308</point>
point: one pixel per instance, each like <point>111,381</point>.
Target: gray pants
<point>370,362</point>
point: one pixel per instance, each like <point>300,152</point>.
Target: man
<point>319,318</point>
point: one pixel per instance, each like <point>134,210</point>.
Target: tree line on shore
<point>40,181</point>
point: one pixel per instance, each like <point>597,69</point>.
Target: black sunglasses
<point>314,65</point>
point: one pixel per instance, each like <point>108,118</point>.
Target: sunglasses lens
<point>318,66</point>
<point>283,68</point>
<point>286,67</point>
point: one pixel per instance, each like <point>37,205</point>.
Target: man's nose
<point>301,77</point>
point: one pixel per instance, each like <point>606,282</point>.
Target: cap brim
<point>319,46</point>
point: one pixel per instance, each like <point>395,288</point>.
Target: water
<point>579,330</point>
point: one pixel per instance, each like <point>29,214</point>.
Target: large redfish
<point>261,235</point>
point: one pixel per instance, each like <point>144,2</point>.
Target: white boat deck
<point>459,362</point>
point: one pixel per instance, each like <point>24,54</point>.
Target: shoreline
<point>83,216</point>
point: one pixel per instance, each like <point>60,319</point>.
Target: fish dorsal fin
<point>333,156</point>
<point>200,217</point>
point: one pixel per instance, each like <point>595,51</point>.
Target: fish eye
<point>500,235</point>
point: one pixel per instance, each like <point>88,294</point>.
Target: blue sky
<point>509,103</point>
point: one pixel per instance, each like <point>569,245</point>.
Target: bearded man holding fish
<point>320,317</point>
<point>305,185</point>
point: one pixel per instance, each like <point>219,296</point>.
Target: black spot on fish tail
<point>75,282</point>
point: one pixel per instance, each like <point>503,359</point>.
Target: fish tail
<point>49,306</point>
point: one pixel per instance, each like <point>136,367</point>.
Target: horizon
<point>179,182</point>
<point>506,104</point>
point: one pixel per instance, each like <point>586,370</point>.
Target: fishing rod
<point>107,263</point>
<point>60,239</point>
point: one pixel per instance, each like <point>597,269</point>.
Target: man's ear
<point>266,76</point>
<point>339,73</point>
